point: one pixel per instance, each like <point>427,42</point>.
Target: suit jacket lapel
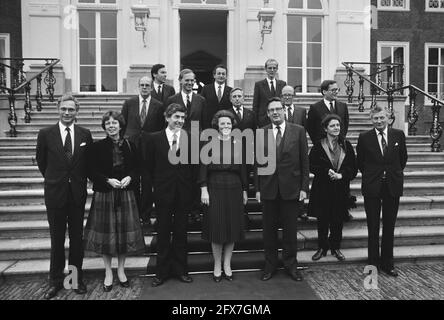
<point>58,141</point>
<point>266,87</point>
<point>375,143</point>
<point>77,141</point>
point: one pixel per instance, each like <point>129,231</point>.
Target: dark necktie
<point>332,108</point>
<point>160,92</point>
<point>68,144</point>
<point>278,136</point>
<point>239,115</point>
<point>289,114</point>
<point>143,113</point>
<point>188,102</point>
<point>174,144</point>
<point>383,143</point>
<point>273,90</point>
<point>219,93</point>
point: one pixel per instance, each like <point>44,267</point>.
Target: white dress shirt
<point>385,132</point>
<point>222,88</point>
<point>327,103</point>
<point>64,133</point>
<point>274,83</point>
<point>148,100</point>
<point>184,97</point>
<point>275,130</point>
<point>170,137</point>
<point>241,111</point>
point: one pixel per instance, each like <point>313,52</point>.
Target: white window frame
<point>7,38</point>
<point>97,8</point>
<point>392,8</point>
<point>427,46</point>
<point>428,9</point>
<point>305,13</point>
<point>406,46</point>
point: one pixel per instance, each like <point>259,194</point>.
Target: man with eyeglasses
<point>283,190</point>
<point>62,158</point>
<point>329,104</point>
<point>293,114</point>
<point>143,115</point>
<point>266,89</point>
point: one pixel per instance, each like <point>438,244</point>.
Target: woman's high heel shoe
<point>319,254</point>
<point>107,288</point>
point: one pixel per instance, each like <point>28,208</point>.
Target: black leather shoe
<point>107,288</point>
<point>319,254</point>
<point>227,277</point>
<point>125,284</point>
<point>185,278</point>
<point>337,254</point>
<point>391,272</point>
<point>157,282</point>
<point>266,276</point>
<point>81,289</point>
<point>296,275</point>
<point>52,291</point>
<point>217,278</point>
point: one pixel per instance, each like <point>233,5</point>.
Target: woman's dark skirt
<point>223,219</point>
<point>113,226</point>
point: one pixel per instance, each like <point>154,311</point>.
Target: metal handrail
<point>420,91</point>
<point>37,75</point>
<point>347,65</point>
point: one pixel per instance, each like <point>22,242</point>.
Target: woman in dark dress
<point>113,227</point>
<point>224,191</point>
<point>333,163</point>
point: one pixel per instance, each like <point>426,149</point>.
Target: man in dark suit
<point>173,184</point>
<point>217,95</point>
<point>381,157</point>
<point>266,89</point>
<point>317,112</point>
<point>61,156</point>
<point>161,90</point>
<point>293,114</point>
<point>281,190</point>
<point>245,117</point>
<point>195,103</point>
<point>143,115</point>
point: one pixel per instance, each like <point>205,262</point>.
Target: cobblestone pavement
<point>415,282</point>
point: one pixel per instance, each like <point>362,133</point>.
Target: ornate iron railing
<point>21,83</point>
<point>376,89</point>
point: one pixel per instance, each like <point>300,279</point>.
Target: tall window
<point>393,5</point>
<point>394,52</point>
<point>5,53</point>
<point>98,46</point>
<point>435,70</point>
<point>304,45</point>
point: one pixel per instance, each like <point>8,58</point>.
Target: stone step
<point>413,189</point>
<point>21,183</point>
<point>27,229</point>
<point>19,249</point>
<point>241,261</point>
<point>36,210</point>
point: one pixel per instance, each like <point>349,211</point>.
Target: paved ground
<point>416,281</point>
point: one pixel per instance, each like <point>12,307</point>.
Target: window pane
<point>86,1</point>
<point>87,79</point>
<point>295,78</point>
<point>313,79</point>
<point>109,52</point>
<point>294,28</point>
<point>295,4</point>
<point>433,88</point>
<point>314,4</point>
<point>107,1</point>
<point>314,51</point>
<point>216,1</point>
<point>398,55</point>
<point>87,24</point>
<point>87,52</point>
<point>314,29</point>
<point>109,79</point>
<point>386,55</point>
<point>3,49</point>
<point>295,55</point>
<point>433,75</point>
<point>442,57</point>
<point>108,24</point>
<point>433,56</point>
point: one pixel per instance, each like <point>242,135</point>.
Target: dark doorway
<point>203,42</point>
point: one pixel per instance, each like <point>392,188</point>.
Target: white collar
<point>147,99</point>
<point>385,131</point>
<point>241,108</point>
<point>216,86</point>
<point>62,127</point>
<point>170,133</point>
<point>281,126</point>
<point>327,103</point>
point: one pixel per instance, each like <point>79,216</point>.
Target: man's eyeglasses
<point>272,68</point>
<point>144,85</point>
<point>273,110</point>
<point>70,110</point>
<point>334,90</point>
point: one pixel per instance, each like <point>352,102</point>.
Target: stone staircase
<point>24,231</point>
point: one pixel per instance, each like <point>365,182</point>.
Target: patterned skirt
<point>113,225</point>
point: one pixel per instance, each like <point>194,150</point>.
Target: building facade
<point>102,52</point>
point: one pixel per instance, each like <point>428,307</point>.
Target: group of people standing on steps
<point>132,170</point>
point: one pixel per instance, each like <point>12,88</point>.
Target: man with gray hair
<point>381,157</point>
<point>293,114</point>
<point>62,158</point>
